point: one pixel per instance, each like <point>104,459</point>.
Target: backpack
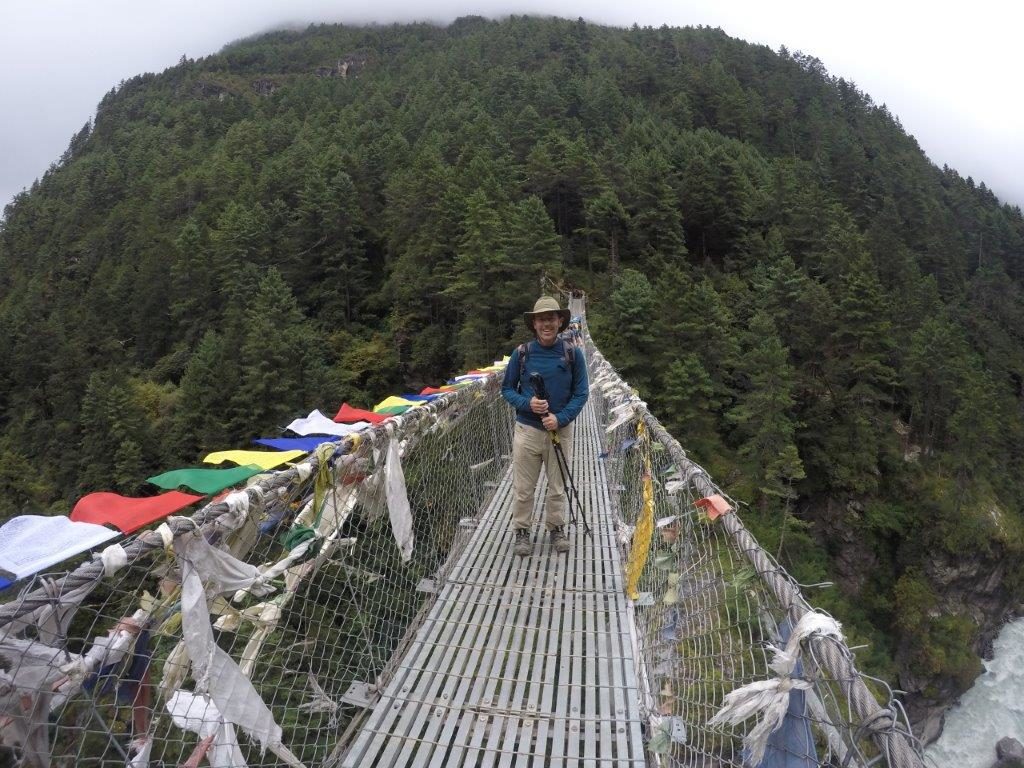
<point>568,354</point>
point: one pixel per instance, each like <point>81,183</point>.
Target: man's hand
<point>550,422</point>
<point>540,407</point>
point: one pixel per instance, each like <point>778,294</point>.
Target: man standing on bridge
<point>539,420</point>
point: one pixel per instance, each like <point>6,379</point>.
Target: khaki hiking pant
<point>531,448</point>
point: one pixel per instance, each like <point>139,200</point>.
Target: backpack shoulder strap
<point>523,350</point>
<point>569,353</point>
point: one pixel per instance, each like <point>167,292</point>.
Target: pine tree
<point>862,344</point>
<point>763,414</point>
<point>562,172</point>
<point>630,333</point>
<point>22,489</point>
<point>280,364</point>
<point>338,278</point>
<point>801,307</point>
<point>481,268</point>
<point>686,397</point>
<point>656,224</point>
<point>114,432</point>
<point>692,316</point>
<point>192,284</point>
<point>201,419</point>
<point>936,368</point>
<point>239,238</point>
<point>976,430</point>
<point>607,218</point>
<point>850,420</point>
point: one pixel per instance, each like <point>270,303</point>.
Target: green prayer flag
<point>392,410</point>
<point>205,481</point>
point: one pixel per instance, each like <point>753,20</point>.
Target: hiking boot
<point>559,541</point>
<point>523,546</point>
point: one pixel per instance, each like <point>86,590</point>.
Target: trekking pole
<point>568,483</point>
<point>571,486</point>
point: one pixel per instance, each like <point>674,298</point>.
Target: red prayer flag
<point>126,513</point>
<point>433,391</point>
<point>349,415</point>
<point>714,505</point>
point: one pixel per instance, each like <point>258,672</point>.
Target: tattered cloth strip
<point>769,699</point>
<point>216,673</point>
<point>624,413</point>
<point>51,621</point>
<point>324,519</point>
<point>130,514</point>
<point>318,424</point>
<point>200,715</point>
<point>399,511</point>
<point>204,481</point>
<point>107,651</point>
<point>139,751</point>
<point>437,390</point>
<point>307,444</point>
<point>792,745</point>
<point>641,544</point>
<point>349,415</point>
<point>25,695</point>
<point>262,459</point>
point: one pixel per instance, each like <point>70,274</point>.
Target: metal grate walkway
<point>521,661</point>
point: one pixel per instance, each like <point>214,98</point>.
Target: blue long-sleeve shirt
<point>567,390</point>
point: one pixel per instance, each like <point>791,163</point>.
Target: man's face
<point>545,325</point>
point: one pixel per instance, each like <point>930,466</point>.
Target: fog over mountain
<point>949,77</point>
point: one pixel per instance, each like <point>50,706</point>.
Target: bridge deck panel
<point>520,661</point>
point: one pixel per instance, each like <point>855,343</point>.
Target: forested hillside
<point>827,321</point>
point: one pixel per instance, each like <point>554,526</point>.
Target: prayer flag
<point>385,405</point>
<point>262,459</point>
<point>126,513</point>
<point>318,424</point>
<point>347,415</point>
<point>306,444</point>
<point>30,543</point>
<point>394,410</point>
<point>204,481</point>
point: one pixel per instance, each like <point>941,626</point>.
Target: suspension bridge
<point>363,607</point>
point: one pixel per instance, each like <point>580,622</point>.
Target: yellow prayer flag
<point>263,459</point>
<point>393,401</point>
<point>641,544</point>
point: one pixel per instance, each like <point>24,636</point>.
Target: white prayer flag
<point>30,543</point>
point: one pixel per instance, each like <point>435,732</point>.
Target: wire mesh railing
<point>711,608</point>
<point>181,652</point>
<point>259,630</point>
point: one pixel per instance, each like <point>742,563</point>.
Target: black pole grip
<point>537,382</point>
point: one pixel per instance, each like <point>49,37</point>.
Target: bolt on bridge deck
<point>520,661</point>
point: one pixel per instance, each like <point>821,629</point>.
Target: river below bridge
<point>991,709</point>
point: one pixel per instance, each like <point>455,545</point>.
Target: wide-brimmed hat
<point>547,304</point>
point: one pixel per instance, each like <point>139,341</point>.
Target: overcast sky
<point>952,77</point>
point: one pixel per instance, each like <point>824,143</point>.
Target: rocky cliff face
<point>970,585</point>
<point>348,65</point>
